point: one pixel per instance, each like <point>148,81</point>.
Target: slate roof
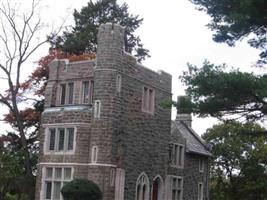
<point>194,143</point>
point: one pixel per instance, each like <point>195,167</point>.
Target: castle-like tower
<point>104,121</point>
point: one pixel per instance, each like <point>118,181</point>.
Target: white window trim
<point>153,100</point>
<point>94,154</point>
<point>47,141</point>
<point>43,179</point>
<point>147,186</point>
<point>200,194</point>
<point>182,159</point>
<point>97,114</point>
<point>201,165</point>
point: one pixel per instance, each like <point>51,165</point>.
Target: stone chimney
<point>182,114</point>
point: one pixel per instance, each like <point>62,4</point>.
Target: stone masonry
<point>124,139</point>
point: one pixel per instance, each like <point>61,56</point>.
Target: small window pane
<point>174,195</point>
<point>63,94</point>
<point>58,173</point>
<point>56,193</point>
<point>48,190</point>
<point>67,173</point>
<point>71,89</point>
<point>49,173</point>
<point>52,139</point>
<point>85,90</point>
<point>70,138</point>
<point>61,139</point>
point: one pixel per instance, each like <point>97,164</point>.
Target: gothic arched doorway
<point>157,189</point>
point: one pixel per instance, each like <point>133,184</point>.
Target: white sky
<point>174,32</point>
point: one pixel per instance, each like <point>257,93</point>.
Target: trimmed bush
<point>81,189</point>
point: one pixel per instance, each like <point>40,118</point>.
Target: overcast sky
<point>174,32</point>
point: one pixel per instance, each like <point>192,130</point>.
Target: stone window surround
<point>97,109</point>
<point>142,181</point>
<point>94,154</point>
<point>201,165</point>
<point>44,167</point>
<point>118,82</point>
<point>176,165</point>
<point>181,188</point>
<point>200,189</point>
<point>148,100</point>
<point>47,140</point>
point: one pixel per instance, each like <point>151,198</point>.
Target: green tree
<point>233,20</point>
<point>239,163</point>
<point>83,36</point>
<point>218,93</point>
<point>81,189</point>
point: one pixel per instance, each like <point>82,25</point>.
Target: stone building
<point>104,121</point>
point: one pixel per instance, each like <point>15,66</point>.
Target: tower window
<point>94,154</point>
<point>118,83</point>
<point>148,100</point>
<point>97,109</point>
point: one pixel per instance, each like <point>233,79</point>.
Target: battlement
<point>110,28</point>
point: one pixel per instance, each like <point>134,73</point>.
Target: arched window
<point>142,187</point>
<point>157,188</point>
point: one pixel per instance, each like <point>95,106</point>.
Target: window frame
<point>97,109</point>
<point>200,192</point>
<point>201,165</point>
<point>90,92</point>
<point>148,100</point>
<point>66,93</point>
<point>94,154</point>
<point>47,142</point>
<point>142,181</point>
<point>180,189</point>
<point>53,180</point>
<point>177,158</point>
<point>118,82</point>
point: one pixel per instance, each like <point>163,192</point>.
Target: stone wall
<point>192,176</point>
<point>127,138</point>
